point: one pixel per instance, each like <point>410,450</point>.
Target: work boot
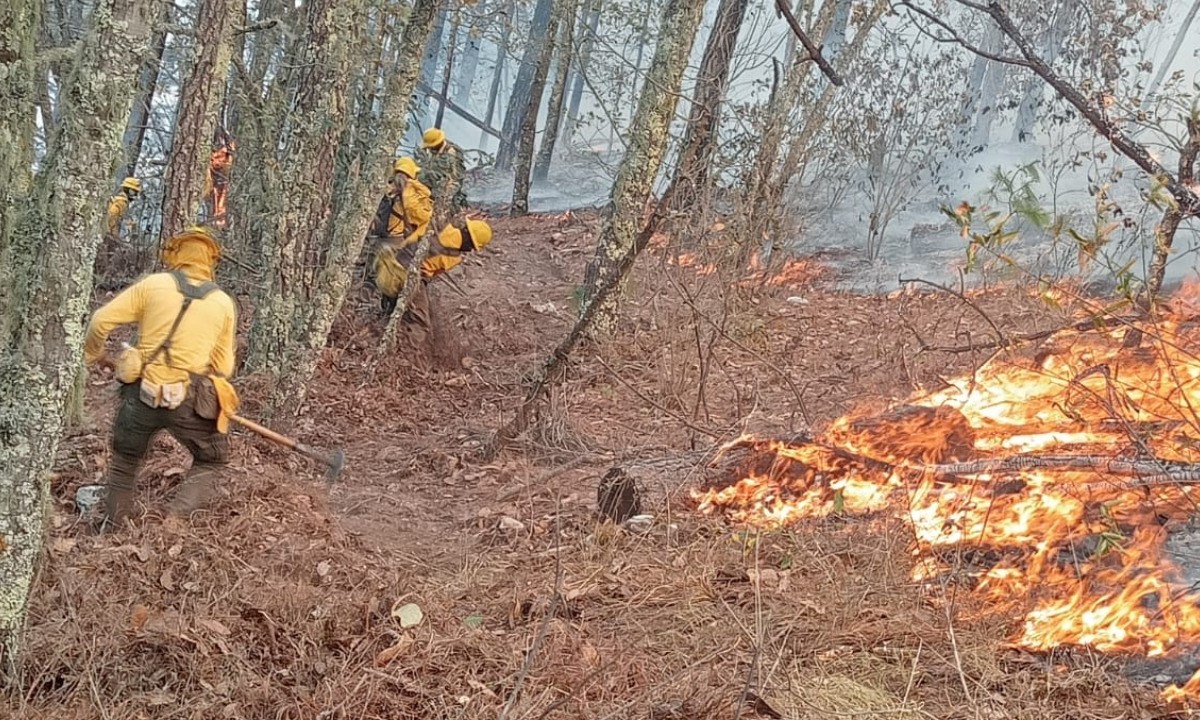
<point>119,490</point>
<point>195,490</point>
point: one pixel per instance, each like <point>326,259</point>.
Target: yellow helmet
<point>481,233</point>
<point>406,165</point>
<point>433,138</point>
<point>174,249</point>
<point>131,183</point>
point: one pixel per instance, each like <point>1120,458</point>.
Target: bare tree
<point>554,112</point>
<point>693,172</point>
<point>528,131</point>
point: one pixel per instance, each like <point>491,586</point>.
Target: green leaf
<point>474,620</point>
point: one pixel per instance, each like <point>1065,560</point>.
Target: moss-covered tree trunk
<point>646,145</point>
<point>693,172</point>
<point>59,231</point>
<point>19,24</point>
<point>314,124</point>
<point>200,100</point>
<point>335,163</point>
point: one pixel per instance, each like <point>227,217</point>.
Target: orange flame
<point>1077,538</point>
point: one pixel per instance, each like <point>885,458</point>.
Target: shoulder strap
<point>190,292</point>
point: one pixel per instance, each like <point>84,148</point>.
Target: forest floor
<point>287,598</point>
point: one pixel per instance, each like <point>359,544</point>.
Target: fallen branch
<point>1115,466</point>
<point>554,365</point>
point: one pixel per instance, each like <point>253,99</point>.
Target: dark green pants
<point>134,429</point>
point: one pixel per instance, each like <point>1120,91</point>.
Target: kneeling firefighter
<point>445,254</point>
<point>175,376</point>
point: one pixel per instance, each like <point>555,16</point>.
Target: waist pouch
<point>206,403</point>
<point>169,395</point>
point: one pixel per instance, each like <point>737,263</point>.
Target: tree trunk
<point>692,181</point>
<point>520,197</point>
<point>591,27</point>
<point>428,72</point>
<point>314,125</point>
<point>468,66</point>
<point>45,309</point>
<point>554,113</point>
<point>1031,100</point>
<point>19,79</point>
<point>518,100</point>
<point>497,74</point>
<point>1164,234</point>
<point>139,117</point>
<point>199,104</point>
<point>647,144</point>
<point>1169,60</point>
<point>319,230</point>
<point>448,70</point>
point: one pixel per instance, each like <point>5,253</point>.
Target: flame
<point>1029,466</point>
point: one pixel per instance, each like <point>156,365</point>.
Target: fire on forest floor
<point>285,601</point>
<point>1049,480</point>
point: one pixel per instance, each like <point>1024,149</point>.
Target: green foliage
<point>1017,206</point>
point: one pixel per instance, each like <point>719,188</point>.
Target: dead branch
<point>1114,466</point>
<point>954,37</point>
<point>461,112</point>
<point>1189,202</point>
<point>1096,323</point>
<point>554,365</point>
<point>814,52</point>
<point>1000,338</point>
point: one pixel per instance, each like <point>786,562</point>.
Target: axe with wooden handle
<point>335,461</point>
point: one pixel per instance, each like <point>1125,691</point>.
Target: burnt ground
<point>284,599</point>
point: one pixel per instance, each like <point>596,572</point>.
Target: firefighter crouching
<point>445,254</point>
<point>175,377</point>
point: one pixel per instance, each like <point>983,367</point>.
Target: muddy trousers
<point>134,429</point>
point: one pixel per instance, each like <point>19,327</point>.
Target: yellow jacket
<point>439,260</point>
<point>116,210</point>
<point>412,210</point>
<point>204,342</point>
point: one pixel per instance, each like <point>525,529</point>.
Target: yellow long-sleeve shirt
<point>116,213</point>
<point>204,342</point>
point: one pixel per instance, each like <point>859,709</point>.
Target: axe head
<point>336,462</point>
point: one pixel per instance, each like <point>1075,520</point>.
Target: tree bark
<point>45,307</point>
<point>528,134</point>
<point>448,70</point>
<point>646,146</point>
<point>19,79</point>
<point>139,117</point>
<point>554,113</point>
<point>469,65</point>
<point>518,101</point>
<point>1164,234</point>
<point>590,28</point>
<point>199,104</point>
<point>692,182</point>
<point>429,64</point>
<point>497,76</point>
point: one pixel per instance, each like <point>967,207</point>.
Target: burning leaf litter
<point>1054,481</point>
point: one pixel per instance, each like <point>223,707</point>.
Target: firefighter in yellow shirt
<point>444,255</point>
<point>131,187</point>
<point>402,219</point>
<point>175,376</point>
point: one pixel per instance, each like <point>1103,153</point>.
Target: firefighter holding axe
<point>175,377</point>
